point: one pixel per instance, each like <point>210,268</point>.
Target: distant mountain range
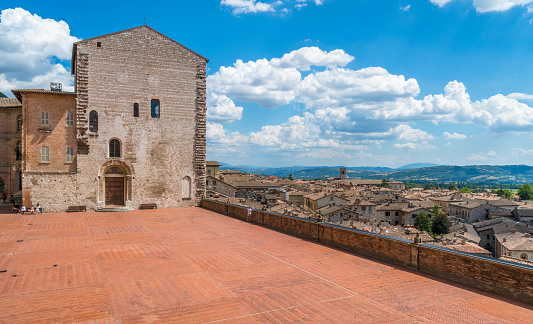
<point>416,172</point>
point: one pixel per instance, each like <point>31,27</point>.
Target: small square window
<point>70,119</point>
<point>45,154</point>
<point>45,121</point>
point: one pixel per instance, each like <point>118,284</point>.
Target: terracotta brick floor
<point>195,266</point>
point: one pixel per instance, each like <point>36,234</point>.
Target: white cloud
<point>305,57</point>
<point>482,157</point>
<point>520,152</point>
<point>484,6</point>
<point>440,3</point>
<point>410,146</point>
<point>406,8</point>
<point>217,134</point>
<point>520,96</point>
<point>497,113</point>
<point>456,136</point>
<point>30,48</point>
<point>344,87</point>
<point>272,83</point>
<point>248,6</point>
<point>257,81</point>
<point>222,109</point>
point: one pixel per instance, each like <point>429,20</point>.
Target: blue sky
<point>322,82</point>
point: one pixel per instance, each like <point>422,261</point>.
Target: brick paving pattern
<point>191,265</point>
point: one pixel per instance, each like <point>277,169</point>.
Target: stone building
<point>10,145</point>
<point>133,131</point>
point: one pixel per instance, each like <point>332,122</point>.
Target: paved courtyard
<point>195,266</point>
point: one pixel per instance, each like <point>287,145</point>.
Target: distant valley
<point>418,173</point>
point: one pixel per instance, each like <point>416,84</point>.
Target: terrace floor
<point>195,266</point>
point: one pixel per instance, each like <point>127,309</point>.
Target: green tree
<point>440,224</point>
<point>505,193</point>
<point>291,177</point>
<point>2,95</point>
<point>465,190</point>
<point>452,187</point>
<point>436,209</point>
<point>384,183</point>
<point>525,192</point>
<point>423,222</point>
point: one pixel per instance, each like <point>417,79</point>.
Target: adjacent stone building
<point>10,146</point>
<point>133,131</point>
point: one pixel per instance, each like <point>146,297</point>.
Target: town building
<point>10,146</point>
<point>514,245</point>
<point>132,132</point>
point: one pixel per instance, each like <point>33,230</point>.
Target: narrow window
<point>19,124</point>
<point>114,148</point>
<point>93,122</point>
<point>186,187</point>
<point>18,151</point>
<point>135,110</point>
<point>70,154</point>
<point>70,119</point>
<point>45,154</point>
<point>208,171</point>
<point>155,108</point>
<point>45,121</point>
<point>98,44</point>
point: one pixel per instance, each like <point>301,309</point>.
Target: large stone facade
<point>147,142</point>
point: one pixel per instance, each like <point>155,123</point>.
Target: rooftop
<point>196,266</point>
<point>10,103</point>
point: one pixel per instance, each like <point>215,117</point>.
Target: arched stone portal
<point>114,184</point>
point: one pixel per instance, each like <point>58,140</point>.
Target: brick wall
<point>46,182</point>
<point>490,274</point>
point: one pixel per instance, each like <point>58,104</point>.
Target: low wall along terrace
<point>502,277</point>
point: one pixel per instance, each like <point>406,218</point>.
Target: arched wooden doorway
<point>115,183</point>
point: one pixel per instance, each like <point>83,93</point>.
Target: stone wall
<point>165,156</point>
<point>503,277</point>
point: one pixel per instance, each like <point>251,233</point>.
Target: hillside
<point>483,174</point>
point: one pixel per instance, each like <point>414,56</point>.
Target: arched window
<point>186,187</point>
<point>93,122</point>
<point>18,151</point>
<point>114,148</point>
<point>523,256</point>
<point>19,124</point>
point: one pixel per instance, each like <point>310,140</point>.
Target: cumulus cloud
<point>520,96</point>
<point>344,87</point>
<point>305,57</point>
<point>456,136</point>
<point>410,146</point>
<point>520,152</point>
<point>31,49</point>
<point>217,134</point>
<point>272,83</point>
<point>222,109</point>
<point>248,6</point>
<point>491,5</point>
<point>481,156</point>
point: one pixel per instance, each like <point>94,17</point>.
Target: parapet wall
<point>495,275</point>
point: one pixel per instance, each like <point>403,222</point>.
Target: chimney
<point>504,239</point>
<point>527,235</point>
<point>513,230</point>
